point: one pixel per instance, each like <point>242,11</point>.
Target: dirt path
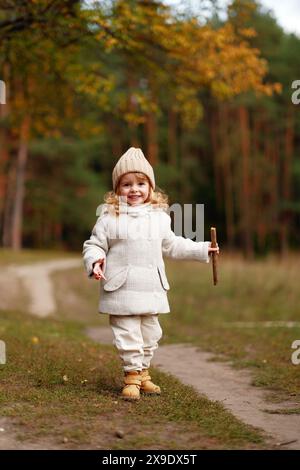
<point>9,440</point>
<point>38,285</point>
<point>220,382</point>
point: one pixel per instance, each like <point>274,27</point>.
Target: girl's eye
<point>142,183</point>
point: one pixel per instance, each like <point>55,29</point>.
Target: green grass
<point>77,296</point>
<point>26,256</point>
<point>61,387</point>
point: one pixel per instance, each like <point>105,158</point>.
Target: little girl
<point>126,250</point>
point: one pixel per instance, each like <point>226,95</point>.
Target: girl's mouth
<point>134,197</point>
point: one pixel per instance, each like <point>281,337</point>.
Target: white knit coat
<point>133,246</point>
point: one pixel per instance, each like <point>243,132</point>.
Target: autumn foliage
<point>204,99</point>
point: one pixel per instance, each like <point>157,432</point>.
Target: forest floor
<point>209,398</point>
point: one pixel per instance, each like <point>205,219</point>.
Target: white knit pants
<point>136,338</point>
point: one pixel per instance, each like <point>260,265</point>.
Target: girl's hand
<point>97,271</point>
<point>214,250</point>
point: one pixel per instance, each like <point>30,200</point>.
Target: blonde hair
<point>157,198</point>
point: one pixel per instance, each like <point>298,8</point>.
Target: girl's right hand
<point>97,271</point>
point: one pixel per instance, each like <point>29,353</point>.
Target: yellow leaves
<point>110,43</point>
<point>218,59</point>
<point>84,128</point>
<point>191,113</point>
<point>189,107</point>
<point>178,55</point>
<point>268,89</point>
<point>159,29</point>
<point>35,340</point>
<point>195,55</point>
<point>133,107</point>
<point>133,118</point>
<point>145,102</point>
<point>221,89</point>
<point>247,32</point>
<point>96,84</point>
<point>277,87</point>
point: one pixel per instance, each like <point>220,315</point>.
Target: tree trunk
<point>114,131</point>
<point>275,185</point>
<point>132,108</point>
<point>17,214</point>
<point>8,204</point>
<point>172,137</point>
<point>286,181</point>
<point>245,199</point>
<point>264,168</point>
<point>258,180</point>
<point>225,154</point>
<point>151,132</point>
<point>214,126</point>
<point>4,155</point>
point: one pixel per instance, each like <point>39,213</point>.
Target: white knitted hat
<point>132,160</point>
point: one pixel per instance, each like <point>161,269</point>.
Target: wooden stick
<point>213,235</point>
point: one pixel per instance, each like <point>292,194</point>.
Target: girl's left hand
<point>214,250</point>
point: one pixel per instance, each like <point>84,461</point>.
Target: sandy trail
<point>37,282</point>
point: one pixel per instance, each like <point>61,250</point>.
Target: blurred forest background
<point>208,101</point>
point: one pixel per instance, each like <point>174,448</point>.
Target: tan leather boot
<point>147,386</point>
<point>132,381</point>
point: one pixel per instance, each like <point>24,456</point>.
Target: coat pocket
<point>163,277</point>
<point>116,280</point>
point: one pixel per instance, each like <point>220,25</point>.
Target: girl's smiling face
<point>135,187</point>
